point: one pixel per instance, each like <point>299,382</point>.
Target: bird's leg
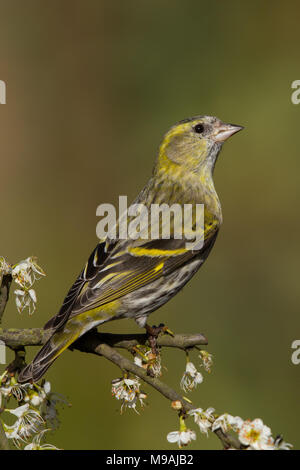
<point>153,332</point>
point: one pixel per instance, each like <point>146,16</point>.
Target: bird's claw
<point>153,333</point>
<point>167,331</point>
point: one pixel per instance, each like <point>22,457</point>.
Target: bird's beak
<point>224,131</point>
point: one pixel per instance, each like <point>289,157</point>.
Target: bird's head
<point>194,143</point>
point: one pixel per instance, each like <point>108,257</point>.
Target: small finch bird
<point>130,278</point>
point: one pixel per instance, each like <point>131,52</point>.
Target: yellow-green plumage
<point>131,278</point>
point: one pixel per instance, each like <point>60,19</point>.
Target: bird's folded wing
<point>116,268</point>
<point>134,266</point>
<point>92,267</point>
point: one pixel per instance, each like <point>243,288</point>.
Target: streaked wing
<point>91,269</point>
<point>133,266</point>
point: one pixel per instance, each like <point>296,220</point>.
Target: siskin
<point>132,278</point>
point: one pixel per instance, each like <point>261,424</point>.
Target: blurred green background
<point>91,88</point>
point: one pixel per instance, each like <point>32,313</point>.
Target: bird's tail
<point>58,342</point>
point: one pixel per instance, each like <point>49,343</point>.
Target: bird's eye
<point>199,128</point>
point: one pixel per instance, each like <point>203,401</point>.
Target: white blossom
<point>227,422</point>
<point>26,272</point>
<point>138,361</point>
<point>25,298</point>
<point>207,361</point>
<point>128,391</point>
<point>191,378</point>
<point>220,423</point>
<point>182,438</point>
<point>147,360</point>
<point>36,443</point>
<point>35,395</point>
<point>203,419</point>
<point>28,423</point>
<point>235,422</point>
<point>10,387</point>
<point>256,435</point>
<point>155,366</point>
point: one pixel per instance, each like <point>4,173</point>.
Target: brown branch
<point>101,345</point>
<point>90,344</point>
<point>15,338</point>
<point>4,293</point>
